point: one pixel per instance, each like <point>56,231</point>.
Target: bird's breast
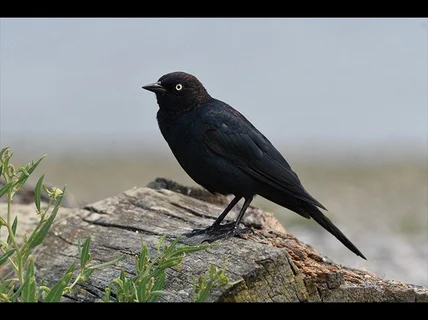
<point>212,171</point>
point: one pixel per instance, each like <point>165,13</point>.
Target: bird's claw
<point>220,235</point>
<point>213,229</point>
<point>217,232</point>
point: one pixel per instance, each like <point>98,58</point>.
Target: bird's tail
<point>308,211</point>
<point>326,223</point>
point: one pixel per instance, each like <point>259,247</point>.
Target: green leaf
<point>24,175</point>
<point>4,286</point>
<point>4,256</point>
<point>46,189</point>
<point>212,271</point>
<point>107,294</point>
<point>160,280</point>
<point>155,295</point>
<point>33,166</point>
<point>6,164</point>
<point>84,253</point>
<point>142,259</point>
<point>1,169</point>
<point>120,286</point>
<point>86,274</point>
<point>123,291</point>
<point>188,249</point>
<point>108,263</point>
<point>5,188</point>
<point>171,247</point>
<point>122,276</point>
<point>28,171</point>
<point>39,235</point>
<point>37,193</point>
<point>14,225</point>
<point>156,291</point>
<point>202,288</point>
<point>141,289</point>
<point>202,295</point>
<point>29,286</point>
<point>169,263</point>
<point>161,240</point>
<point>172,262</point>
<point>57,290</point>
<point>2,152</point>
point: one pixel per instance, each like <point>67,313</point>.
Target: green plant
<point>214,277</point>
<point>22,285</point>
<point>145,286</point>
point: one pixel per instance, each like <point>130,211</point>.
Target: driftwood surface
<point>267,264</point>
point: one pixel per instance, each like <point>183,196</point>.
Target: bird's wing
<point>234,138</point>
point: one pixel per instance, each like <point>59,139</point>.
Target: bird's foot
<point>213,229</point>
<point>217,232</point>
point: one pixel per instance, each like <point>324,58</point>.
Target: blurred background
<point>344,100</point>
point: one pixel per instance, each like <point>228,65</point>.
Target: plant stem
<point>43,216</point>
<point>71,286</point>
<point>18,265</point>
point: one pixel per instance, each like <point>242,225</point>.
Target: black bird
<point>222,151</point>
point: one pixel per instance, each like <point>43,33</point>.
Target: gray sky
<point>351,81</point>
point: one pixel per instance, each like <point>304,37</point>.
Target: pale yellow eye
<point>178,87</point>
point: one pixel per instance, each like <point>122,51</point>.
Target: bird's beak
<point>155,87</point>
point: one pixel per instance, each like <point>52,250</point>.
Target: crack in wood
<point>269,288</point>
<point>167,213</point>
<point>90,290</point>
<point>65,240</point>
<point>192,211</point>
<point>121,250</point>
<point>292,266</point>
<point>92,209</point>
<point>68,296</point>
<point>127,228</point>
<point>319,291</point>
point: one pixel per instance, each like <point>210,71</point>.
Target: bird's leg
<point>242,212</point>
<point>223,215</point>
<point>228,230</point>
<point>216,225</point>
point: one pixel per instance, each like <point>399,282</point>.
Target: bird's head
<point>178,91</point>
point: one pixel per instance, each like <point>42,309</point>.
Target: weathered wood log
<point>269,264</point>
